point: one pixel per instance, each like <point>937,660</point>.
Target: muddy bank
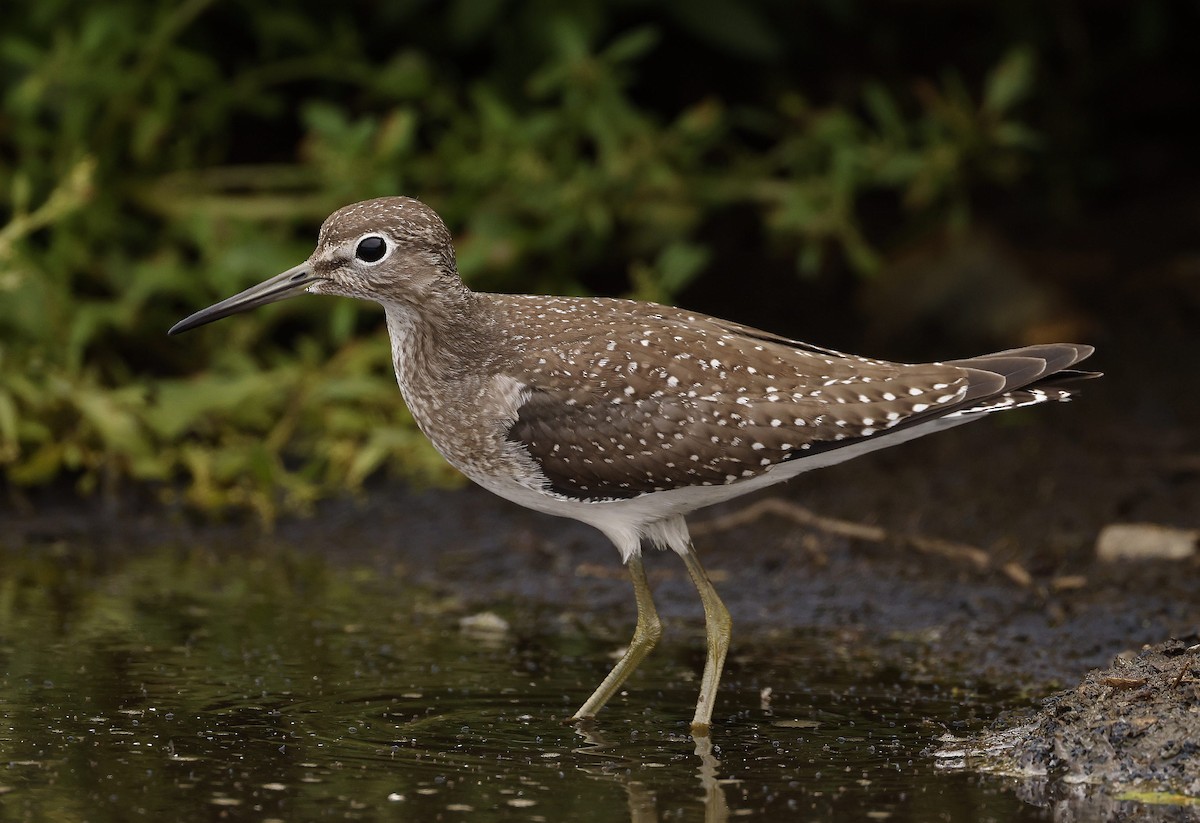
<point>1128,732</point>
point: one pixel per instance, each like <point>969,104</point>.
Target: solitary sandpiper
<point>629,415</point>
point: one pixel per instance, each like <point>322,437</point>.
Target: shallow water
<point>177,684</point>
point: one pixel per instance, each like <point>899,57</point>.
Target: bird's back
<point>613,399</point>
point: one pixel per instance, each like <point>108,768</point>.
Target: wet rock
<point>484,623</point>
<point>1145,541</point>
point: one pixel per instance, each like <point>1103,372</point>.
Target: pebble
<point>1145,541</point>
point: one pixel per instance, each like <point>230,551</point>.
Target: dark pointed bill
<point>280,287</point>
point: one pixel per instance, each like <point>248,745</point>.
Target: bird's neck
<point>441,341</point>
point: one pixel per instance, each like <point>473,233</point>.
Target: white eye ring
<point>372,249</point>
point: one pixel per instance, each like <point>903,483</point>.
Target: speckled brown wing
<point>613,418</point>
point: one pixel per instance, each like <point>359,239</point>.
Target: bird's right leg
<point>645,635</point>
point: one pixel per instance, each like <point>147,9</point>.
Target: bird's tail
<point>1024,376</point>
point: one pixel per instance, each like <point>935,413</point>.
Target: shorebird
<point>627,415</point>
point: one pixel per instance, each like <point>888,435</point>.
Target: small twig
<point>843,528</point>
<point>1187,665</point>
<point>1123,682</point>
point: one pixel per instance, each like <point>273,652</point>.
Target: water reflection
<point>177,683</point>
<point>643,805</point>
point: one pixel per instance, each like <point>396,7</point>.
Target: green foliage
<point>155,157</point>
<point>817,174</point>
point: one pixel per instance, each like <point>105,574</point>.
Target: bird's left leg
<point>718,628</point>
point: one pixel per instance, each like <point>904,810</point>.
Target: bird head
<point>393,250</point>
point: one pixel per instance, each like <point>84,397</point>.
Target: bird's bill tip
<point>280,287</point>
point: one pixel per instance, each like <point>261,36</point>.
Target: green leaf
<point>1009,82</point>
<point>734,27</point>
<point>679,263</point>
<point>632,45</point>
<point>469,19</point>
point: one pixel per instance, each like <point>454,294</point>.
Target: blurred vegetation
<point>157,156</point>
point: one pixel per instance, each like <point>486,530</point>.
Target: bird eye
<point>371,249</point>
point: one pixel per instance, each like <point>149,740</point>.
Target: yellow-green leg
<point>718,627</point>
<point>645,635</point>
